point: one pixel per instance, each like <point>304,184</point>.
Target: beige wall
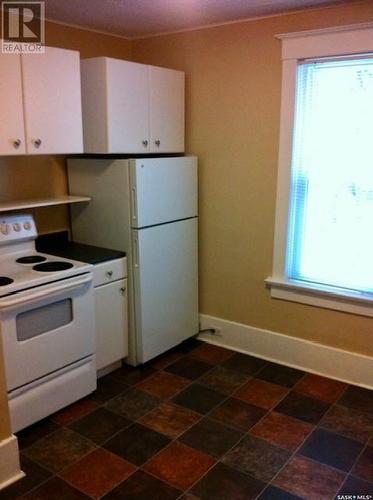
<point>233,102</point>
<point>89,43</point>
<point>36,177</point>
<point>43,176</point>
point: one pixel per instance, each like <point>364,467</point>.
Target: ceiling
<point>138,18</point>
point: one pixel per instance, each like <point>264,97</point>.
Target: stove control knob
<point>17,227</point>
<point>27,226</point>
<point>4,228</point>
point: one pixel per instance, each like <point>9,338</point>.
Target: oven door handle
<point>34,295</point>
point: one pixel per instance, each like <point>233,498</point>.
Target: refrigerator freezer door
<point>163,190</point>
<point>165,271</point>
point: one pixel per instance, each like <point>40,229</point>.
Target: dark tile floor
<point>202,422</point>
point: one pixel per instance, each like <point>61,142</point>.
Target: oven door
<point>47,328</point>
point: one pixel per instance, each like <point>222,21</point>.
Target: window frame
<point>343,41</point>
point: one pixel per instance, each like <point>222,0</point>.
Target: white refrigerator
<point>148,208</point>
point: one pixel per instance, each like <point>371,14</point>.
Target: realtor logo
<point>22,27</point>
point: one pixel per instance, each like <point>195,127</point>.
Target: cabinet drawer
<point>109,271</point>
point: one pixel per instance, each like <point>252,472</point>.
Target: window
<point>331,227</point>
<point>324,219</point>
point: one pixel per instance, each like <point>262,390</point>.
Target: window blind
<point>330,238</point>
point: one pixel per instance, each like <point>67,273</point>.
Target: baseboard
<point>108,369</point>
<point>313,357</point>
<point>10,470</point>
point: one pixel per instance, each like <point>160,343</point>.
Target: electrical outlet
<point>216,332</point>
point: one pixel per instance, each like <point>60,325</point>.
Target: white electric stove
<point>47,325</point>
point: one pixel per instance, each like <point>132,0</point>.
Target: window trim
<point>331,42</point>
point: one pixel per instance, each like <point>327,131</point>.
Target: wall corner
<point>10,469</point>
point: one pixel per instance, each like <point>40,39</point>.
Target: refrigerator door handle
<point>134,206</point>
<point>135,252</point>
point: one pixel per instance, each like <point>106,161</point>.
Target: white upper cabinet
<point>12,133</point>
<point>40,102</point>
<point>52,102</point>
<point>115,106</point>
<point>131,108</point>
<point>166,103</point>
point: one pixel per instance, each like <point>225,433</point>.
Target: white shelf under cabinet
<point>41,202</point>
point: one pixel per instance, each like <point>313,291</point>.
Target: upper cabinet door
<point>167,90</point>
<point>127,107</point>
<point>52,102</point>
<point>12,132</point>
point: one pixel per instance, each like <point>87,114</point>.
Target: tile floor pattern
<point>203,422</point>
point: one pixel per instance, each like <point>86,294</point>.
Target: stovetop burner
<point>5,281</point>
<point>31,259</point>
<point>49,267</point>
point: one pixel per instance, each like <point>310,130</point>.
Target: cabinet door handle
<point>109,274</point>
<point>145,142</point>
<point>123,290</point>
<point>17,143</point>
<point>157,143</point>
<point>37,143</point>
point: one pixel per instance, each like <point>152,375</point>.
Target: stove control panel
<point>15,228</point>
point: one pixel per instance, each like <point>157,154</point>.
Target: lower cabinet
<point>111,321</point>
